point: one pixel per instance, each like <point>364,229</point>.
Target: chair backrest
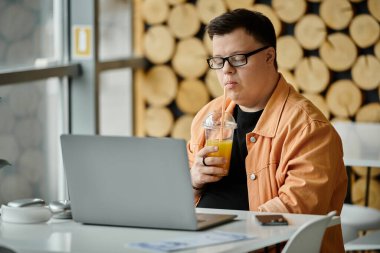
<point>309,236</point>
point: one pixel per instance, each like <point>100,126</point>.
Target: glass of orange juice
<point>221,135</point>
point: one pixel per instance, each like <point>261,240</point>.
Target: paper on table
<point>198,240</point>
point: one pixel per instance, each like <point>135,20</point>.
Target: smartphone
<point>271,219</point>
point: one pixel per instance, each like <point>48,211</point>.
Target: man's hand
<point>206,169</point>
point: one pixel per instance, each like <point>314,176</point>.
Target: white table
<point>69,236</point>
<point>361,146</point>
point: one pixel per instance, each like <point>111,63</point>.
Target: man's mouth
<point>230,84</point>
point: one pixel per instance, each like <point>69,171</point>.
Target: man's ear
<point>270,55</point>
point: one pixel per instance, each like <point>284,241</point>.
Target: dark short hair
<point>254,23</point>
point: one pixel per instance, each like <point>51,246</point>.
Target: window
<point>115,86</point>
<point>43,94</point>
<point>32,113</point>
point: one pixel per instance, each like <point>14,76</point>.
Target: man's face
<point>250,85</point>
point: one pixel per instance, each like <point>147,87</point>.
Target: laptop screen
<point>129,181</point>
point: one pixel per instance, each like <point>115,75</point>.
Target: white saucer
<point>33,214</point>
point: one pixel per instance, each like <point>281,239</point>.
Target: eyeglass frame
<point>228,57</point>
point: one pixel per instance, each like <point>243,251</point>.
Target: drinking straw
<point>223,112</point>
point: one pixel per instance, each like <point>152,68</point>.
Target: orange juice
<point>225,147</point>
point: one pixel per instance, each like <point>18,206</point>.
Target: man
<point>286,156</point>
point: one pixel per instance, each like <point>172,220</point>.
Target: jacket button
<point>252,139</point>
<point>253,176</point>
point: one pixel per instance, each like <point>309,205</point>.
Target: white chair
<point>309,236</point>
<point>355,218</point>
<point>370,241</point>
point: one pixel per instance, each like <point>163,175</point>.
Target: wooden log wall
<point>329,50</point>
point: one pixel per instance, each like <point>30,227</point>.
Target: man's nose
<point>228,68</point>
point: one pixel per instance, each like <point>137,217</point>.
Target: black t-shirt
<point>231,191</point>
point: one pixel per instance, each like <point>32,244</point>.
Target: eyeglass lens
<point>234,60</point>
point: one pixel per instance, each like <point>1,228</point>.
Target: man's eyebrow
<point>232,54</point>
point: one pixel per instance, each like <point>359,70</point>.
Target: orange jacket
<point>294,162</point>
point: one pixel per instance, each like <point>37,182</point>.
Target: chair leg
<point>368,180</point>
<point>348,199</point>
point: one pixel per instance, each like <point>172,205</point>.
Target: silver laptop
<point>131,181</point>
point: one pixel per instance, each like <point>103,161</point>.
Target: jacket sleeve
<point>313,170</point>
<point>193,146</point>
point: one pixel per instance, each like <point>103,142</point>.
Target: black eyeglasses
<point>236,60</point>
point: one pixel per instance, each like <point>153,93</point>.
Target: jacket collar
<point>269,120</point>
